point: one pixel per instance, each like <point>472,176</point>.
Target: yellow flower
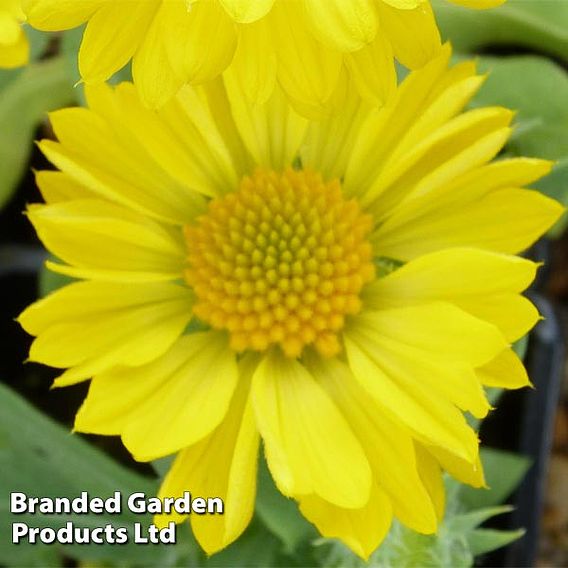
<point>304,45</point>
<point>341,289</point>
<point>14,48</point>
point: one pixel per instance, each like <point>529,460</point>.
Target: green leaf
<point>494,395</point>
<point>70,44</point>
<point>163,465</point>
<point>405,548</point>
<point>24,102</point>
<point>482,541</point>
<point>468,521</point>
<point>40,458</point>
<point>520,347</point>
<point>534,24</point>
<point>503,473</point>
<point>50,281</point>
<point>38,42</point>
<point>538,89</point>
<point>257,547</point>
<point>279,514</point>
<point>555,185</point>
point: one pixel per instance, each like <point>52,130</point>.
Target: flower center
<point>281,261</point>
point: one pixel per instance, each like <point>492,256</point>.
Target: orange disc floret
<point>281,261</point>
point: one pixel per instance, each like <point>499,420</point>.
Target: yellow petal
<point>334,104</point>
<point>102,275</point>
<point>56,15</point>
<point>373,71</point>
<point>329,142</point>
<point>107,186</point>
<point>513,314</point>
<point>505,371</point>
<point>112,36</point>
<point>114,165</point>
<point>255,62</point>
<point>474,184</point>
<point>213,39</point>
<point>343,25</point>
<point>404,4</point>
<point>272,132</point>
<point>308,71</point>
<point>362,530</point>
<point>485,284</point>
<point>94,234</point>
<point>413,33</point>
<point>449,381</point>
<point>57,187</point>
<point>450,96</point>
<point>306,436</point>
<point>452,275</point>
<point>93,326</point>
<point>181,144</point>
<point>469,472</point>
<point>247,11</point>
<point>431,476</point>
<point>173,402</point>
<point>224,464</point>
<point>382,131</point>
<point>400,360</point>
<point>10,28</point>
<point>456,336</point>
<point>217,120</point>
<point>465,142</point>
<point>526,214</point>
<point>14,7</point>
<point>388,447</point>
<point>152,71</point>
<point>14,46</point>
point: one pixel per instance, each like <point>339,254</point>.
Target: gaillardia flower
<point>306,46</point>
<point>340,289</point>
<point>14,47</point>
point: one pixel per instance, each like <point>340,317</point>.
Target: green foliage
<point>28,94</point>
<point>504,471</point>
<point>50,281</point>
<point>24,102</point>
<point>385,266</point>
<point>537,25</point>
<point>537,89</point>
<point>40,458</point>
<point>258,547</point>
<point>281,515</point>
<point>482,541</point>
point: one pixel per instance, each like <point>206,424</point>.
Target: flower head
<point>342,289</point>
<point>306,46</point>
<point>14,48</point>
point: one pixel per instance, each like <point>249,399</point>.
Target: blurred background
<point>524,48</point>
